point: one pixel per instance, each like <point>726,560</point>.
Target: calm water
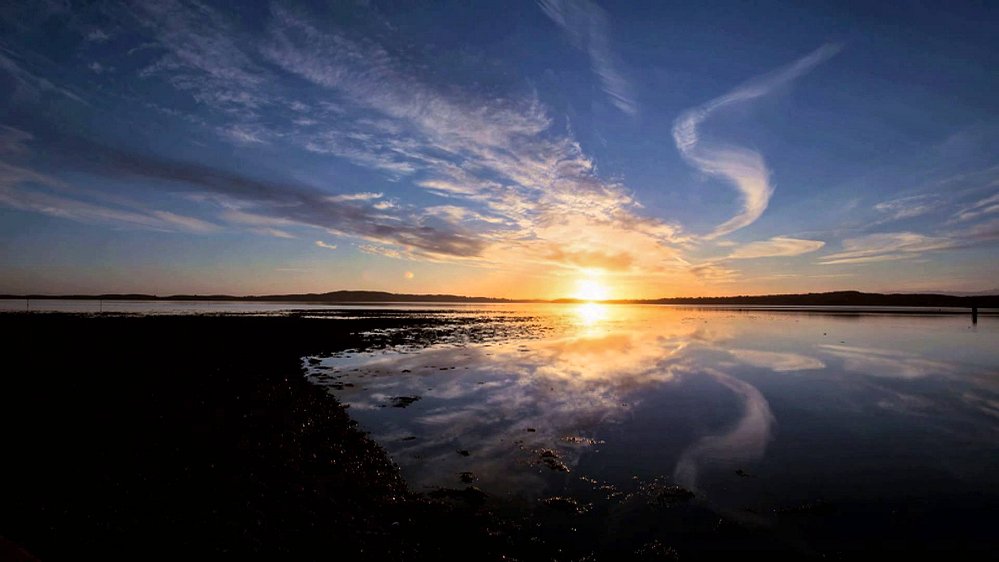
<point>87,306</point>
<point>868,418</point>
<point>138,306</point>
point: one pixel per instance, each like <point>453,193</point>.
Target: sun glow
<point>591,290</point>
<point>591,314</point>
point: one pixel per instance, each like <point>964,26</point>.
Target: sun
<point>591,290</point>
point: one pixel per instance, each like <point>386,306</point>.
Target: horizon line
<point>994,293</point>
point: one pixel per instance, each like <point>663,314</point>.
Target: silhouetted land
<point>842,298</point>
<point>199,437</point>
<point>838,298</point>
<point>332,297</point>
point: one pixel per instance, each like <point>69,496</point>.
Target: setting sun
<point>591,290</point>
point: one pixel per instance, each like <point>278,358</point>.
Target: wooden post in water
<point>974,315</point>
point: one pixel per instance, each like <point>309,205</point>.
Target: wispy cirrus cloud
<point>360,196</point>
<point>265,207</point>
<point>515,191</point>
<point>778,246</point>
<point>200,53</point>
<point>978,209</point>
<point>97,36</point>
<point>523,188</point>
<point>722,270</point>
<point>744,168</point>
<point>185,223</point>
<point>888,246</point>
<point>358,143</point>
<point>326,245</point>
<point>527,186</point>
<point>965,195</point>
<point>263,225</point>
<point>585,24</point>
<point>268,204</point>
<point>964,207</point>
<point>983,232</point>
<point>28,190</point>
<point>13,141</point>
<point>716,272</point>
<point>892,246</point>
<point>28,83</point>
<point>243,134</point>
<point>90,213</point>
<point>906,207</point>
<point>370,76</point>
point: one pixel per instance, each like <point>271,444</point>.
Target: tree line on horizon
<point>835,298</point>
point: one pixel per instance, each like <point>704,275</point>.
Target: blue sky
<point>506,149</point>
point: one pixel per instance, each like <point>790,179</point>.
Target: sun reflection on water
<point>591,314</point>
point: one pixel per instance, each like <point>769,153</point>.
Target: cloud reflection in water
<point>672,392</point>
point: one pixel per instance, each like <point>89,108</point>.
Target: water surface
<point>868,422</point>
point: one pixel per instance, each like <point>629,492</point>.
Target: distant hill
<point>371,296</point>
<point>838,298</point>
<point>974,293</point>
<point>842,298</point>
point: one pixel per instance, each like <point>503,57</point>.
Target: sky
<point>507,149</point>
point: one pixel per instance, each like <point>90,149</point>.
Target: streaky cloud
<point>525,186</point>
<point>978,209</point>
<point>886,246</point>
<point>199,54</point>
<point>742,167</point>
<point>906,207</point>
<point>890,246</point>
<point>370,77</point>
<point>778,246</point>
<point>715,272</point>
<point>515,187</point>
<point>13,141</point>
<point>22,189</point>
<point>273,232</point>
<point>97,36</point>
<point>720,270</point>
<point>26,189</point>
<point>360,196</point>
<point>276,203</point>
<point>585,24</point>
<point>28,83</point>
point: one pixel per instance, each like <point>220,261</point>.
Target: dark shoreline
<point>162,437</point>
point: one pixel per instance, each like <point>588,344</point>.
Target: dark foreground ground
<point>193,437</point>
<point>198,437</point>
